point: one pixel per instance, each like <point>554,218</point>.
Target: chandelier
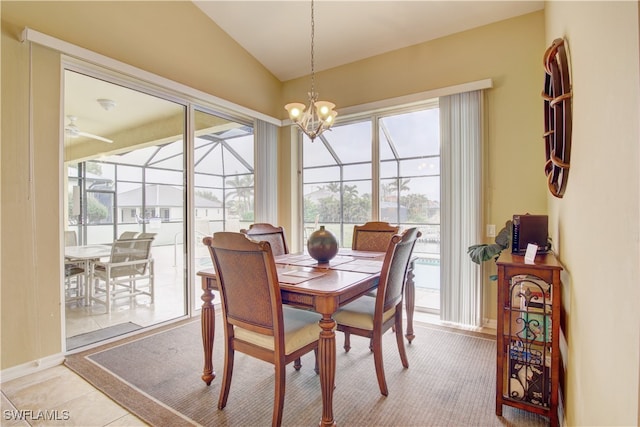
<point>319,115</point>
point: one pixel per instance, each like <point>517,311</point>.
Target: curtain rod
<point>416,98</point>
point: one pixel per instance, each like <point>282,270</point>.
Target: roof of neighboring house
<point>162,195</point>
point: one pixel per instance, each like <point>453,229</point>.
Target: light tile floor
<point>59,397</point>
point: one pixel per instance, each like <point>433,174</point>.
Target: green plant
<point>484,252</point>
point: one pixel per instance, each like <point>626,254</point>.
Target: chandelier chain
<point>313,25</point>
<point>318,116</point>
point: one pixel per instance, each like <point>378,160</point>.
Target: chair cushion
<point>72,270</point>
<point>359,313</point>
<point>300,328</point>
<point>116,272</point>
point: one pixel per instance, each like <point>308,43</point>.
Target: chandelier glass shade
<point>318,116</point>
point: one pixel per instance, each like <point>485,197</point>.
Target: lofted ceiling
<point>278,33</point>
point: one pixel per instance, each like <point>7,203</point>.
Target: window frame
<point>374,116</point>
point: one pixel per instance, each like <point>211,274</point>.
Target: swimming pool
<point>427,273</point>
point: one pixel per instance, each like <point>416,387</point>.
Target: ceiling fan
<point>72,131</point>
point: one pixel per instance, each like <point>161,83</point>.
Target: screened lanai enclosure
<point>172,171</point>
<point>144,189</point>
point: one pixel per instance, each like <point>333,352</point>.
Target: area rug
<point>450,382</point>
<point>101,335</point>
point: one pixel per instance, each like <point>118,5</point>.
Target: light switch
<point>491,230</point>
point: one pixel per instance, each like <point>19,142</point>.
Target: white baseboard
<point>490,323</point>
<point>31,367</point>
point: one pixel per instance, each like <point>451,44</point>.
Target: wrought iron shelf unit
<point>528,349</point>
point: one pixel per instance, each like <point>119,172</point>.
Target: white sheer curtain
<point>266,177</point>
<point>461,208</point>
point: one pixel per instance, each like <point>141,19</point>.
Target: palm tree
<point>385,191</point>
<point>242,193</point>
<point>399,185</point>
<point>332,187</point>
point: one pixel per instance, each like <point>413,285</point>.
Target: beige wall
<point>595,225</point>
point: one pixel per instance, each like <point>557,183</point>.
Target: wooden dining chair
<point>373,236</point>
<point>370,316</point>
<point>254,320</point>
<point>264,232</point>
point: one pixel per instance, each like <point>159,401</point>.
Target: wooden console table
<point>528,334</point>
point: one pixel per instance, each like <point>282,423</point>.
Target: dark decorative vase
<point>322,245</point>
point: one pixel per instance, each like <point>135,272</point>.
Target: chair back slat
<point>128,235</point>
<point>394,268</point>
<point>70,238</point>
<point>131,250</point>
<point>373,236</point>
<point>247,280</point>
<point>263,232</point>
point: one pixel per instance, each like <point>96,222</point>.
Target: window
<point>402,149</point>
<point>410,174</point>
<point>223,178</point>
<point>337,179</point>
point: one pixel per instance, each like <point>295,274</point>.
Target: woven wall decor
<point>557,117</point>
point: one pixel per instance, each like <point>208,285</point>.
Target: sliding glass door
<point>125,172</point>
<point>132,170</point>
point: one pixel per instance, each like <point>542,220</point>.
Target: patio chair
<point>370,316</point>
<point>70,238</point>
<point>73,284</point>
<point>127,274</point>
<point>73,272</point>
<point>128,235</point>
<point>255,322</point>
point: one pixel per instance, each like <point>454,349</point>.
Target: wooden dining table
<point>323,288</point>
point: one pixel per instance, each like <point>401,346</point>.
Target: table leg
<point>86,281</point>
<point>327,364</point>
<point>207,318</point>
<point>410,301</point>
